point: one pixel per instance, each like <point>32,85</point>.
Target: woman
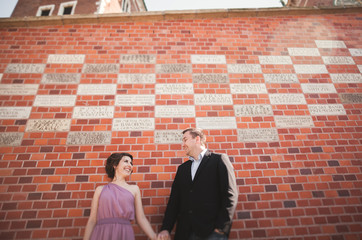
<point>114,205</point>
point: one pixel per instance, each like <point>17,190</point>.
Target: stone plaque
<point>210,78</point>
<point>174,111</point>
<point>293,121</point>
<point>168,136</point>
<point>245,88</point>
<point>337,60</point>
<point>347,78</point>
<point>100,68</point>
<point>275,60</point>
<point>138,58</point>
<point>303,52</point>
<point>48,125</point>
<point>18,89</point>
<point>318,88</point>
<point>216,122</point>
<point>208,59</point>
<point>347,2</point>
<point>15,112</point>
<point>89,138</point>
<point>244,68</point>
<point>133,124</point>
<point>213,99</point>
<point>173,68</point>
<point>97,89</point>
<point>253,110</point>
<point>25,68</point>
<point>287,98</point>
<point>281,78</point>
<point>61,78</point>
<point>66,58</point>
<point>93,112</point>
<point>135,100</point>
<point>310,69</point>
<point>175,88</point>
<point>54,100</point>
<point>330,44</point>
<point>326,109</point>
<point>258,135</point>
<point>137,78</point>
<point>357,52</point>
<point>351,97</point>
<point>11,139</point>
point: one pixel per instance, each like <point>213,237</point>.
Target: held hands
<point>163,235</point>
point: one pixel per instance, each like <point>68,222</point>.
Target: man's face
<point>188,143</point>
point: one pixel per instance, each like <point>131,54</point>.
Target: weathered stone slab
<point>210,78</point>
<point>175,88</point>
<point>318,88</point>
<point>275,60</point>
<point>360,68</point>
<point>303,52</point>
<point>213,99</point>
<point>216,122</point>
<point>15,112</point>
<point>93,112</point>
<point>18,89</point>
<point>293,121</point>
<point>89,138</point>
<point>253,110</point>
<point>281,78</point>
<point>208,59</point>
<point>258,135</point>
<point>61,78</point>
<point>48,125</point>
<point>351,97</point>
<point>66,58</point>
<point>174,111</point>
<point>168,136</point>
<point>310,69</point>
<point>347,78</point>
<point>173,68</point>
<point>133,124</point>
<point>287,98</point>
<point>25,68</point>
<point>357,52</point>
<point>330,44</point>
<point>100,68</point>
<point>245,88</point>
<point>326,109</point>
<point>97,89</point>
<point>11,139</point>
<point>138,58</point>
<point>137,78</point>
<point>338,60</point>
<point>54,100</point>
<point>244,68</point>
<point>135,100</point>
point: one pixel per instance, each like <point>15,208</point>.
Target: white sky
<point>7,6</point>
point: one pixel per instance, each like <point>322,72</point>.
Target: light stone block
<point>1,76</point>
<point>281,78</point>
<point>168,136</point>
<point>173,68</point>
<point>347,78</point>
<point>330,44</point>
<point>337,60</point>
<point>253,110</point>
<point>351,97</point>
<point>89,138</point>
<point>66,58</point>
<point>54,100</point>
<point>61,78</point>
<point>244,68</point>
<point>287,98</point>
<point>25,68</point>
<point>133,124</point>
<point>138,58</point>
<point>174,111</point>
<point>305,52</point>
<point>137,78</point>
<point>326,109</point>
<point>359,68</point>
<point>10,139</point>
<point>210,78</point>
<point>213,99</point>
<point>48,125</point>
<point>100,68</point>
<point>18,89</point>
<point>93,112</point>
<point>310,69</point>
<point>208,59</point>
<point>97,89</point>
<point>318,88</point>
<point>275,60</point>
<point>357,52</point>
<point>216,122</point>
<point>175,88</point>
<point>293,121</point>
<point>15,112</point>
<point>258,135</point>
<point>135,100</point>
<point>245,88</point>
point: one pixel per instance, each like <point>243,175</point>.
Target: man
<point>203,195</point>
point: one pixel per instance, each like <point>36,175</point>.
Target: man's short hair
<point>194,132</point>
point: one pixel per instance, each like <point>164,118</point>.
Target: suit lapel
<point>202,164</point>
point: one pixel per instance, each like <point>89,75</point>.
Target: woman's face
<point>124,167</point>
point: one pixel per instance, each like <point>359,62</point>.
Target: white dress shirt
<point>196,163</point>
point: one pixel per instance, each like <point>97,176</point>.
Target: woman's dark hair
<point>113,161</point>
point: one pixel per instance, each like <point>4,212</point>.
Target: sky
<point>7,6</point>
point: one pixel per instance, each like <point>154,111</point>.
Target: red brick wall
<point>300,180</point>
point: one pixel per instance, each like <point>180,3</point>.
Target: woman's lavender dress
<point>115,211</point>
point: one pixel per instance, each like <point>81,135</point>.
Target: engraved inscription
<point>100,68</point>
<point>135,100</point>
<point>168,136</point>
<point>182,88</point>
<point>318,88</point>
<point>25,68</point>
<point>174,111</point>
<point>253,110</point>
<point>310,69</point>
<point>54,101</point>
<point>326,109</point>
<point>293,121</point>
<point>356,52</point>
<point>281,78</point>
<point>136,78</point>
<point>89,138</point>
<point>303,52</point>
<point>61,78</point>
<point>287,99</point>
<point>216,122</point>
<point>18,89</point>
<point>14,112</point>
<point>275,60</point>
<point>208,59</point>
<point>338,60</point>
<point>258,135</point>
<point>351,97</point>
<point>97,89</point>
<point>66,58</point>
<point>93,112</point>
<point>48,125</point>
<point>248,88</point>
<point>244,68</point>
<point>330,44</point>
<point>133,124</point>
<point>11,139</point>
<point>347,78</point>
<point>138,58</point>
<point>213,99</point>
<point>210,78</point>
<point>173,68</point>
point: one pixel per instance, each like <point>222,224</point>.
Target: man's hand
<point>163,235</point>
<point>219,231</point>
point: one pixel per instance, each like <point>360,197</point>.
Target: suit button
<point>190,191</point>
<point>190,211</point>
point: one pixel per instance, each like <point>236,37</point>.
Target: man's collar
<point>201,155</point>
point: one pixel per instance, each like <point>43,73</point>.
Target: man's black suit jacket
<point>205,203</point>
